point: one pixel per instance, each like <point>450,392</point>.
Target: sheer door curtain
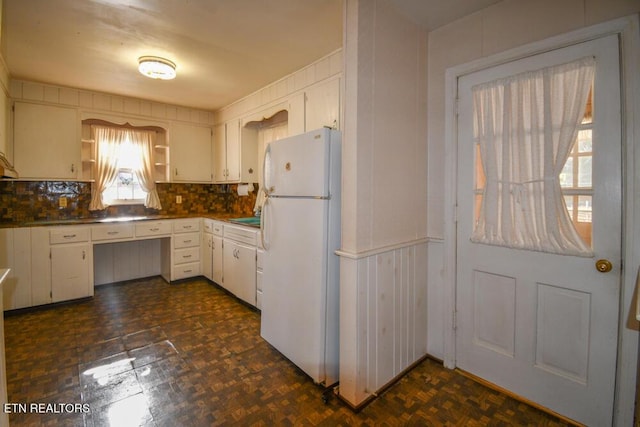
<point>525,127</point>
<point>112,145</point>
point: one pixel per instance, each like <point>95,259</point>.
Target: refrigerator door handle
<point>266,171</point>
<point>263,225</point>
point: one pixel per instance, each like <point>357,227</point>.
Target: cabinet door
<point>296,121</point>
<point>230,265</point>
<point>322,107</point>
<point>233,150</point>
<point>217,267</point>
<point>246,273</point>
<point>207,255</point>
<point>70,269</point>
<point>190,152</point>
<point>40,266</point>
<point>46,141</point>
<point>240,271</point>
<point>220,153</point>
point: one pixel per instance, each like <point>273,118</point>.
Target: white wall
<point>384,251</point>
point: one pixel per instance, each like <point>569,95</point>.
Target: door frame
<point>628,31</point>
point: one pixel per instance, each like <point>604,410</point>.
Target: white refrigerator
<point>300,224</point>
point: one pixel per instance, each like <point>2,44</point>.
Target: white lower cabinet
<point>71,272</point>
<point>239,262</point>
<point>212,250</point>
<point>217,255</point>
<point>240,270</point>
<point>71,255</point>
<point>183,253</point>
<point>56,263</point>
<point>207,255</point>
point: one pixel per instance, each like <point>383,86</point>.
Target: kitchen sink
<point>253,221</point>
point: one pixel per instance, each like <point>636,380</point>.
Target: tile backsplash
<point>24,201</point>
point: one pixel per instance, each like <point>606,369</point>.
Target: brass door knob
<point>603,265</point>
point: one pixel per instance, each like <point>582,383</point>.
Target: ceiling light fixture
<point>157,68</point>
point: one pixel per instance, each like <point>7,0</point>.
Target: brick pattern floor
<point>189,354</point>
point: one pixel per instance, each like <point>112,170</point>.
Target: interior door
<point>539,324</point>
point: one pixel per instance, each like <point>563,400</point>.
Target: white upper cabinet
<point>191,153</point>
<point>316,107</point>
<point>296,119</point>
<point>322,105</point>
<point>234,153</point>
<point>46,141</point>
<point>220,153</point>
<point>233,146</point>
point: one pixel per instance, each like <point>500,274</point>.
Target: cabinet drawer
<point>184,271</point>
<point>213,227</point>
<point>186,225</point>
<point>112,232</point>
<point>217,229</point>
<point>186,240</point>
<point>153,228</point>
<point>241,234</point>
<point>69,235</point>
<point>181,256</point>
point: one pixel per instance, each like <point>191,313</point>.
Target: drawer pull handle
<point>154,229</point>
<point>186,256</point>
<point>69,236</point>
<point>188,241</point>
<point>112,233</point>
<point>188,271</point>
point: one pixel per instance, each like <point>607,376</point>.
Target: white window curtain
<point>143,141</point>
<point>106,167</point>
<point>109,142</point>
<point>526,126</point>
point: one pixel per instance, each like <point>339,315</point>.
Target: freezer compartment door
<point>294,281</point>
<point>299,166</point>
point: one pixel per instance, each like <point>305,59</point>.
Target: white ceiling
<point>224,49</point>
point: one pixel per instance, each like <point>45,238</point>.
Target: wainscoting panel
<point>383,319</point>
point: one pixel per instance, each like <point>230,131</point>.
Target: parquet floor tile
<point>152,354</point>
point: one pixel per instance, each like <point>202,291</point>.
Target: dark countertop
<point>115,219</point>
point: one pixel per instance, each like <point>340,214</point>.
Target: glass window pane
<point>584,171</point>
<point>566,176</point>
<point>584,209</point>
<point>125,185</point>
<point>579,208</point>
<point>584,141</point>
<point>568,200</point>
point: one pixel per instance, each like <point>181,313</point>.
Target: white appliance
<point>300,225</point>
